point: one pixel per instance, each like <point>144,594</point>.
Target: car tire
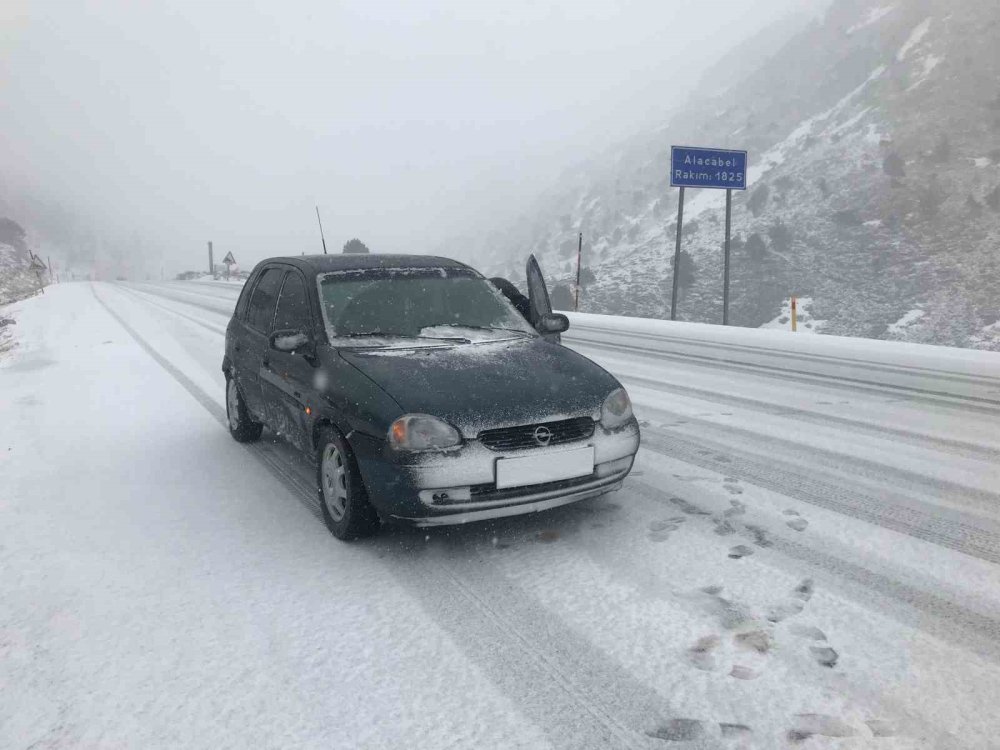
<point>241,425</point>
<point>347,512</point>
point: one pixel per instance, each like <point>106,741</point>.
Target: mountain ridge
<point>874,139</point>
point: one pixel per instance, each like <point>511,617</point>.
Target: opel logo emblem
<point>542,435</point>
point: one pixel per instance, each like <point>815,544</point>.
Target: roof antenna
<point>321,230</point>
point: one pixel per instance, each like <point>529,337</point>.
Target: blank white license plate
<point>546,466</point>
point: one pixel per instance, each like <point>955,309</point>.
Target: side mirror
<point>292,342</point>
<point>553,323</point>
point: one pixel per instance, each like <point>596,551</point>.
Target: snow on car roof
<point>359,262</point>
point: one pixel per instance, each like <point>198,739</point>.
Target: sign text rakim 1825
<point>708,168</point>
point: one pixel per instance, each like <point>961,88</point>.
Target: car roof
<point>313,264</point>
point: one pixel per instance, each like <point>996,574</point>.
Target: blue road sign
<point>708,168</point>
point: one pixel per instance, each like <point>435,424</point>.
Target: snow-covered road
<point>807,548</point>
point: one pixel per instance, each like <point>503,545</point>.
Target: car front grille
<point>523,436</point>
<point>484,492</point>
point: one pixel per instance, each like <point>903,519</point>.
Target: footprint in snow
<point>804,590</point>
<point>781,612</point>
<point>754,640</point>
<point>798,524</point>
<point>824,656</point>
<point>741,672</point>
<point>759,536</point>
<point>732,615</point>
<point>737,509</point>
<point>790,512</point>
<point>660,531</point>
<point>723,527</point>
<point>700,654</point>
<point>679,730</point>
<point>722,458</point>
<point>734,730</point>
<point>739,551</point>
<point>800,595</point>
<point>881,727</point>
<point>809,632</point>
<point>807,725</point>
<point>686,507</point>
<point>733,489</point>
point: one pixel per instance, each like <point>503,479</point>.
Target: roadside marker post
<point>211,263</point>
<point>38,265</point>
<point>712,168</point>
<point>794,314</point>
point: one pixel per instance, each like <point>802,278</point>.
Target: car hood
<point>484,385</point>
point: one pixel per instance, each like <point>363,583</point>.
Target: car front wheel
<point>342,495</point>
<point>241,425</point>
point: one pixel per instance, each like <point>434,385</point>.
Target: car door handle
<point>267,363</point>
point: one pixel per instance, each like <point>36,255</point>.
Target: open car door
<point>538,297</point>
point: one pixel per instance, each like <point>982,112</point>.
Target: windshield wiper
<point>380,334</point>
<point>477,328</point>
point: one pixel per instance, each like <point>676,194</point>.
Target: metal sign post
<point>677,256</point>
<point>229,260</point>
<point>579,252</point>
<point>713,168</point>
<point>725,275</point>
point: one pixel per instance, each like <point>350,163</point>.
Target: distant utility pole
<point>579,253</point>
<point>211,263</point>
<point>321,230</point>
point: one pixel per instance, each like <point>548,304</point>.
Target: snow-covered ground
<point>807,548</point>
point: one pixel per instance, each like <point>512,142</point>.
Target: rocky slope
<point>874,135</point>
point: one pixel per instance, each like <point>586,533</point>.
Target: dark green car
<point>424,395</point>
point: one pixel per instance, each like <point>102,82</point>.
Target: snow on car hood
<point>496,384</point>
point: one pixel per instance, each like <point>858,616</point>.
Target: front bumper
<point>459,486</point>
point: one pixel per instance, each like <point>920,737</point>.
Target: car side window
<point>265,295</point>
<point>293,306</point>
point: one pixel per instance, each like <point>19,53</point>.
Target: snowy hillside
<point>16,280</point>
<point>874,135</point>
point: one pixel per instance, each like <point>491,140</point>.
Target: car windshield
<point>451,304</point>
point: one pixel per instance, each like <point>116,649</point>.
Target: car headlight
<point>422,432</point>
<point>616,409</point>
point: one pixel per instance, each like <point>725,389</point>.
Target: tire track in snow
<point>808,457</point>
<point>144,297</point>
<point>224,307</point>
<point>823,419</point>
<point>261,451</point>
<point>976,404</point>
<point>913,517</point>
<point>574,692</point>
<point>825,360</point>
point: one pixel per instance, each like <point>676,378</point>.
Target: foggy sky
<point>173,122</point>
